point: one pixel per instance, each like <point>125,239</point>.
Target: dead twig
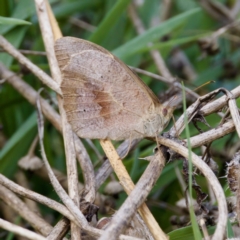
<point>59,230</point>
<point>18,205</point>
<point>212,180</point>
<point>137,195</point>
<point>20,231</point>
<point>213,134</point>
<point>84,25</point>
<point>27,63</point>
<point>160,64</point>
<point>49,35</point>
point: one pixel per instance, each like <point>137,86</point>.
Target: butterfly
<point>102,97</point>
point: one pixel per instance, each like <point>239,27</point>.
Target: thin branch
<point>235,114</point>
<point>49,36</point>
<point>206,110</point>
<point>166,9</point>
<point>27,63</point>
<point>29,52</point>
<point>117,225</point>
<point>213,134</point>
<point>84,25</point>
<point>137,194</point>
<point>20,231</point>
<point>60,230</point>
<point>21,208</point>
<point>35,197</point>
<point>160,64</point>
<point>22,180</point>
<point>235,9</point>
<point>216,10</point>
<point>212,180</point>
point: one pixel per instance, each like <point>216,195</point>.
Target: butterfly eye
<point>164,111</point>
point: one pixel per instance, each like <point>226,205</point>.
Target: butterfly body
<point>103,98</point>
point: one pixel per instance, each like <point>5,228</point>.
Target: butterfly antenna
<point>204,84</point>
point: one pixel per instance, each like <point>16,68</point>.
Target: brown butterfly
<point>102,97</point>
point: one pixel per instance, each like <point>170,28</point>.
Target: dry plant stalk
<point>39,224</point>
<point>128,186</point>
<point>20,231</point>
<point>49,35</point>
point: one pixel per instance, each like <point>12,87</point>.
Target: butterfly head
<point>157,120</point>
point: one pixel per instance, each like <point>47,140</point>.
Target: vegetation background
<point>108,24</point>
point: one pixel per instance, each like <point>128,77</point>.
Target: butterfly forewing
<point>102,97</point>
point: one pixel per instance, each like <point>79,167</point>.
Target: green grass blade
<point>109,21</point>
<point>153,34</point>
<point>196,231</point>
<point>17,146</point>
<point>174,42</point>
<point>23,10</point>
<point>230,233</point>
<point>186,233</point>
<point>13,21</point>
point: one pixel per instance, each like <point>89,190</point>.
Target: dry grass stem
<point>178,58</point>
<point>21,208</point>
<point>82,24</point>
<point>58,188</point>
<point>128,186</point>
<point>166,9</point>
<point>93,147</point>
<point>29,52</point>
<point>20,231</point>
<point>212,180</point>
<point>235,114</point>
<point>204,229</point>
<point>160,64</point>
<point>219,103</point>
<point>35,197</point>
<point>60,230</point>
<point>32,67</point>
<point>192,110</point>
<point>106,169</point>
<point>87,170</point>
<point>213,134</point>
<point>217,10</point>
<point>22,180</point>
<point>49,36</point>
<point>235,9</point>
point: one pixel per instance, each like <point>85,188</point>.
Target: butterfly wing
<point>102,96</point>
